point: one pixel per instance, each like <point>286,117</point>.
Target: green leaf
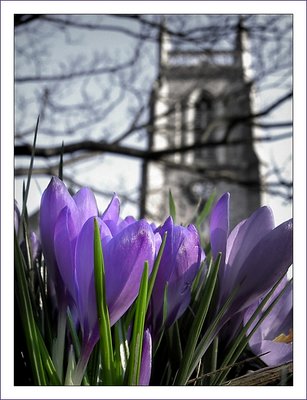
<point>174,345</point>
<point>165,304</point>
<point>214,357</point>
<point>26,193</point>
<point>47,361</point>
<point>121,354</point>
<point>210,334</point>
<point>76,345</point>
<point>199,281</point>
<point>172,206</point>
<point>59,342</point>
<point>136,345</point>
<point>205,211</point>
<point>154,272</point>
<point>71,365</point>
<point>164,316</point>
<point>26,312</point>
<point>195,331</point>
<point>107,359</point>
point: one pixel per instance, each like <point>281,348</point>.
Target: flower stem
<point>59,344</point>
<point>79,372</point>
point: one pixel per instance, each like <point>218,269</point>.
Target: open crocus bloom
<point>67,230</point>
<point>254,255</point>
<point>178,267</point>
<point>81,206</point>
<point>274,334</point>
<point>124,258</point>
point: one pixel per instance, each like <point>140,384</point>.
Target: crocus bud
<point>178,267</point>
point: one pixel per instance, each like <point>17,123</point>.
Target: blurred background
<point>143,104</point>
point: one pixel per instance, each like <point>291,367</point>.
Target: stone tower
<point>199,99</point>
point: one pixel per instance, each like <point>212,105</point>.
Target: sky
<point>125,174</point>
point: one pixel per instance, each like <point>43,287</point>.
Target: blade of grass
<point>134,364</point>
<point>164,316</point>
<point>242,340</point>
<point>71,365</point>
<point>214,357</point>
<point>197,324</point>
<point>172,206</point>
<point>28,320</point>
<point>46,326</point>
<point>205,211</point>
<point>121,351</point>
<point>154,272</point>
<point>75,342</point>
<point>107,358</point>
<point>210,334</point>
<point>47,361</point>
<point>30,171</point>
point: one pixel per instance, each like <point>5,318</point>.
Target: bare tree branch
<point>80,74</point>
<point>90,145</point>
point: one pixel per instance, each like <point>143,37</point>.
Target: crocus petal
<point>219,226</point>
<point>278,323</point>
<point>170,248</point>
<point>85,271</point>
<point>127,221</point>
<point>280,319</point>
<point>178,299</point>
<point>54,199</point>
<point>178,267</point>
<point>124,257</point>
<point>265,264</point>
<point>112,211</point>
<point>184,272</point>
<point>158,242</point>
<point>278,353</point>
<point>243,240</point>
<point>146,360</point>
<point>65,233</point>
<point>86,203</point>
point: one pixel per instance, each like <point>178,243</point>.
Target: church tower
<point>201,100</point>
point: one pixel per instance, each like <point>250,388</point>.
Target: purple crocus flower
<point>254,255</point>
<point>67,226</point>
<point>82,206</point>
<point>274,334</point>
<point>112,219</point>
<point>178,267</point>
<point>124,258</point>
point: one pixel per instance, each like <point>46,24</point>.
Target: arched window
<point>203,115</point>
